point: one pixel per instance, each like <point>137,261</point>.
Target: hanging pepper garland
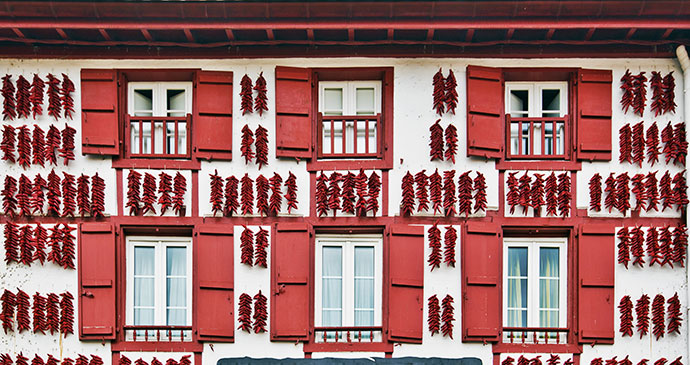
<point>677,361</point>
<point>334,192</point>
<point>625,144</point>
<point>658,321</point>
<point>39,313</point>
<point>37,360</point>
<point>637,246</point>
<point>67,149</point>
<point>665,191</point>
<point>55,239</point>
<point>595,193</point>
<point>261,252</point>
<point>625,308</point>
<point>8,142</point>
<point>449,242</point>
<point>148,198</point>
<point>681,143</point>
<point>24,147</point>
<point>642,313</point>
<point>9,302</point>
<point>11,235</point>
<point>261,101</point>
<point>640,98</point>
<point>37,90</point>
<point>133,192</point>
<point>652,143</point>
<point>53,313</point>
<point>83,202</point>
<point>680,191</point>
<point>261,144</point>
<point>449,198</point>
<point>524,190</point>
<point>216,198</point>
<point>374,185</point>
<point>639,191</point>
<point>23,95</point>
<point>164,191</point>
<point>276,200</point>
<point>670,149</point>
<point>451,92</point>
<point>439,96</point>
<point>625,361</point>
<point>622,193</point>
<point>407,203</point>
<point>262,195</point>
<point>451,142</point>
<point>179,190</point>
<point>628,91</point>
<point>553,360</point>
<point>661,361</point>
<point>597,361</point>
<point>434,259</point>
<point>23,305</point>
<point>480,193</point>
<point>291,191</point>
<point>650,185</point>
<point>24,196</point>
<point>550,195</point>
<point>66,96</point>
<point>247,195</point>
<point>246,144</point>
<point>435,192</point>
<point>67,314</point>
<point>25,245</point>
<point>361,189</point>
<point>674,315</point>
<point>421,182</point>
<point>436,142</point>
<point>653,250</point>
<point>669,93</point>
<point>447,317</point>
<point>637,150</point>
<point>54,102</point>
<point>69,195</point>
<point>9,202</point>
<point>465,194</point>
<point>612,361</point>
<point>8,106</point>
<point>97,196</point>
<point>53,140</point>
<point>247,104</point>
<point>184,360</point>
<point>680,245</point>
<point>40,239</point>
<point>656,82</point>
<point>232,203</point>
<point>665,246</point>
<point>513,197</point>
<point>260,312</point>
<point>508,361</point>
<point>244,313</point>
<point>68,247</point>
<point>322,205</point>
<point>247,247</point>
<point>37,196</point>
<point>434,317</point>
<point>623,247</point>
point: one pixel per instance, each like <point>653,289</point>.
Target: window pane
<point>143,102</point>
<point>537,138</point>
<point>176,317</point>
<point>176,261</point>
<point>364,318</point>
<point>159,137</point>
<point>548,293</point>
<point>143,292</point>
<point>514,138</point>
<point>176,295</point>
<point>143,317</point>
<point>182,137</point>
<point>519,103</point>
<point>517,318</point>
<point>176,102</point>
<point>517,261</point>
<point>548,262</point>
<point>364,293</point>
<point>372,136</point>
<point>548,138</point>
<point>146,135</point>
<point>365,101</point>
<point>332,261</point>
<point>364,261</point>
<point>332,318</point>
<point>560,136</point>
<point>134,136</point>
<point>143,260</point>
<point>517,293</point>
<point>550,99</point>
<point>326,139</point>
<point>526,139</point>
<point>548,318</point>
<point>333,101</point>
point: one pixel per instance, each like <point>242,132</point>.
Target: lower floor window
<point>535,290</point>
<point>159,284</point>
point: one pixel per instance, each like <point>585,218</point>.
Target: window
<point>534,294</point>
<point>349,116</point>
<point>158,120</point>
<point>348,287</point>
<point>159,289</point>
<point>536,119</point>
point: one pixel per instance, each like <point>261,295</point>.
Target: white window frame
<point>160,244</point>
<point>159,103</point>
<point>534,96</point>
<point>533,245</point>
<point>348,244</point>
<point>350,95</point>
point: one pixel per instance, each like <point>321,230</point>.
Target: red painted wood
<point>485,123</point>
<point>594,115</point>
<point>212,124</point>
<point>290,284</point>
<point>214,283</point>
<point>100,112</point>
<point>97,282</point>
<point>596,294</point>
<point>294,104</point>
<point>481,277</point>
<point>406,284</point>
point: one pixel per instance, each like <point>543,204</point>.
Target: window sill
<point>146,163</point>
<point>537,165</point>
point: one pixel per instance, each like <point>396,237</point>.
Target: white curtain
<point>332,293</point>
<point>517,287</point>
<point>364,286</point>
<point>176,286</point>
<point>144,285</point>
<point>548,286</point>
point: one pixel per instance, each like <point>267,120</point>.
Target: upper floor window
<point>159,119</point>
<point>349,118</point>
<point>536,114</point>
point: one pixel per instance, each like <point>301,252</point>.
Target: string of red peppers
<point>626,319</point>
<point>447,316</point>
<point>445,95</point>
<point>434,315</point>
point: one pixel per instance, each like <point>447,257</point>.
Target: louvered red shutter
<point>100,112</point>
<point>214,283</point>
<point>212,123</point>
<point>485,119</point>
<point>96,281</point>
<point>594,115</point>
<point>596,267</point>
<point>406,290</point>
<point>481,266</point>
<point>293,112</point>
<point>290,282</point>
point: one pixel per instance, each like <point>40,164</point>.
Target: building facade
<point>198,181</point>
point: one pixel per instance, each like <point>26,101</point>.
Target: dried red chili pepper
<point>261,101</point>
<point>623,247</point>
<point>650,186</point>
<point>680,191</point>
<point>69,195</point>
<point>449,198</point>
<point>640,98</point>
<point>451,98</point>
<point>434,317</point>
<point>68,246</point>
<point>665,246</point>
<point>9,302</point>
<point>669,93</point>
<point>553,360</point>
<point>639,191</point>
<point>66,96</point>
<point>9,106</point>
<point>523,360</point>
<point>247,246</point>
<point>436,141</point>
<point>291,191</point>
<point>83,202</point>
<point>36,98</point>
<point>513,196</point>
<point>596,361</point>
<point>465,194</point>
<point>447,316</point>
<point>658,322</point>
<point>421,183</point>
<point>261,144</point>
<point>167,362</point>
<point>524,190</point>
<point>37,360</point>
<point>39,312</point>
<point>67,314</point>
<point>140,361</point>
<point>451,142</point>
<point>334,192</point>
<point>637,246</point>
<point>681,144</point>
<point>625,144</point>
<point>652,143</point>
<point>21,359</point>
<point>480,193</point>
<point>55,240</point>
<point>246,144</point>
<point>97,196</point>
<point>247,104</point>
<point>658,100</point>
<point>244,313</point>
<point>26,247</point>
<point>680,245</point>
<point>36,197</point>
<point>9,201</point>
<point>670,149</point>
<point>260,312</point>
<point>11,234</point>
<point>661,361</point>
<point>96,360</point>
<point>23,97</point>
<point>625,361</point>
<point>261,253</point>
<point>361,188</point>
<point>642,312</point>
<point>434,259</point>
<point>665,192</point>
<point>676,361</point>
<point>24,147</point>
<point>595,193</point>
<point>40,239</point>
<point>53,140</point>
<point>216,198</point>
<point>67,149</point>
<point>184,360</point>
<point>439,95</point>
<point>622,193</point>
<point>164,191</point>
<point>7,144</point>
<point>625,308</point>
<point>628,91</point>
<point>154,361</point>
<point>653,250</point>
<point>508,361</point>
<point>612,361</point>
<point>374,185</point>
<point>24,196</point>
<point>247,195</point>
<point>550,195</point>
<point>54,102</point>
<point>23,321</point>
<point>407,202</point>
<point>232,203</point>
<point>133,192</point>
<point>449,242</point>
<point>53,313</point>
<point>262,195</point>
<point>276,200</point>
<point>179,190</point>
<point>637,151</point>
<point>435,192</point>
<point>675,316</point>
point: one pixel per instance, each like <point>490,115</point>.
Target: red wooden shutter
<point>594,115</point>
<point>481,266</point>
<point>100,112</point>
<point>485,120</point>
<point>596,267</point>
<point>290,282</point>
<point>406,291</point>
<point>214,283</point>
<point>213,115</point>
<point>293,112</point>
<point>96,281</point>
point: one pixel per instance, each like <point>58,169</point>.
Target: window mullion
<point>533,308</point>
<point>348,284</point>
<point>160,284</point>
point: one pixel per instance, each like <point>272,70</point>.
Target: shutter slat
<point>100,112</point>
<point>594,115</point>
<point>293,112</point>
<point>485,112</point>
<point>406,291</point>
<point>213,115</point>
<point>96,278</point>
